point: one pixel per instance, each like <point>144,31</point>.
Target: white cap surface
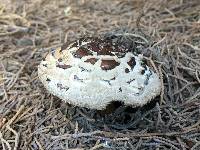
<point>93,72</point>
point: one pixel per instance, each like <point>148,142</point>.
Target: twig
<point>14,117</point>
<point>166,143</point>
<point>196,146</point>
<point>119,135</point>
<point>16,137</point>
<point>21,69</point>
<point>162,85</point>
<point>187,57</point>
<point>134,35</point>
<point>38,143</point>
<point>77,135</point>
<point>4,141</point>
<point>192,46</point>
<point>197,76</point>
<point>97,146</point>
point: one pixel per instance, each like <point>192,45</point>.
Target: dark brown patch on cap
<point>120,89</point>
<point>100,46</point>
<point>92,60</point>
<point>63,66</point>
<point>94,46</point>
<point>143,71</point>
<point>127,70</point>
<point>109,64</point>
<point>132,62</point>
<point>81,52</point>
<point>105,47</point>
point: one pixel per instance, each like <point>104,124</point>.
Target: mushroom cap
<point>92,72</point>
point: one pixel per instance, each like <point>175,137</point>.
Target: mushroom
<point>93,72</point>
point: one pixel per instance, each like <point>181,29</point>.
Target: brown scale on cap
<point>132,62</point>
<point>92,60</point>
<point>101,47</point>
<point>109,64</point>
<point>143,71</point>
<point>127,70</point>
<point>106,50</point>
<point>63,66</point>
<point>104,47</point>
<point>81,52</point>
<point>94,46</point>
